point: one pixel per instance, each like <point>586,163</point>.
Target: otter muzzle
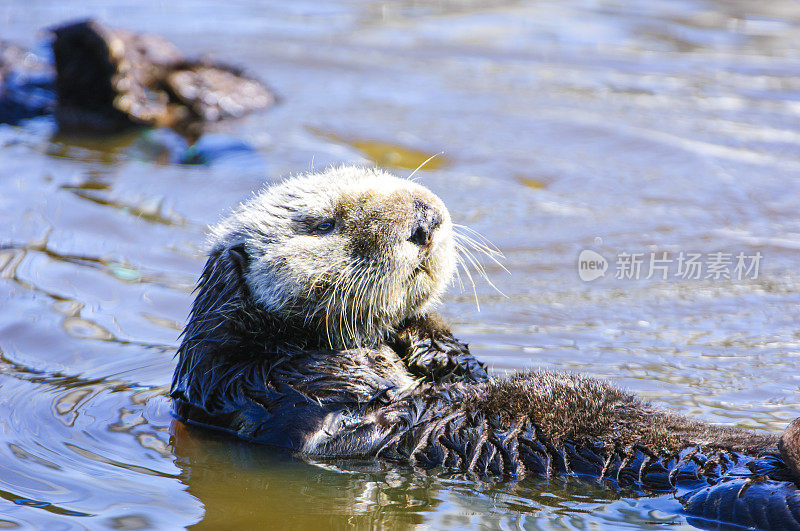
<point>426,220</point>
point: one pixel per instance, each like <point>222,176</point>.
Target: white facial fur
<point>357,282</point>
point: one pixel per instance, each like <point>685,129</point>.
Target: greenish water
<point>631,127</point>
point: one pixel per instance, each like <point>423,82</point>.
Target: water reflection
<point>248,486</point>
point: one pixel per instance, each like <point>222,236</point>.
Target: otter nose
<point>426,219</point>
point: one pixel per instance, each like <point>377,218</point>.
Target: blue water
<point>637,127</point>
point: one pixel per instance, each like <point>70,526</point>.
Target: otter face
<point>350,251</point>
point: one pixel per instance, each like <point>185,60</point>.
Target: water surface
<point>631,127</point>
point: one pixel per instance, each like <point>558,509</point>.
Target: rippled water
<point>632,127</point>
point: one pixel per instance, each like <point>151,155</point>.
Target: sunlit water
<point>631,127</point>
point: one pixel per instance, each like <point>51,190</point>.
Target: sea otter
<point>312,329</point>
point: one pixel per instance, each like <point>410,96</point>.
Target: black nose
<point>426,219</point>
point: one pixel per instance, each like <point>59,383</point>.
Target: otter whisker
<point>353,282</point>
<point>479,267</point>
<point>460,262</point>
<point>362,291</point>
<point>366,283</point>
<point>484,247</point>
<point>357,271</point>
<point>349,309</point>
<point>372,300</point>
<point>383,296</point>
<point>378,300</point>
<point>481,251</point>
<point>466,244</point>
<point>483,239</point>
<point>472,244</point>
<point>315,283</point>
<point>362,285</point>
<point>331,300</point>
<point>342,307</point>
<point>311,312</point>
<point>342,287</point>
<point>473,260</point>
<point>410,177</point>
<point>363,281</point>
<point>458,278</point>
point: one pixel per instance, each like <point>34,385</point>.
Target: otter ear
<point>238,257</point>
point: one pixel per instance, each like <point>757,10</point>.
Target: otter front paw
<point>438,356</point>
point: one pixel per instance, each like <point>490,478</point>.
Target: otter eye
<point>325,227</point>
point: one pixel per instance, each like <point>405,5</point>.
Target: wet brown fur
<point>575,407</point>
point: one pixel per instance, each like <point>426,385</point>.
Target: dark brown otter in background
<point>312,330</point>
<point>109,80</point>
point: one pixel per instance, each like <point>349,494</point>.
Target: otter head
<point>347,254</point>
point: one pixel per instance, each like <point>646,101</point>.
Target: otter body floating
<point>312,330</point>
